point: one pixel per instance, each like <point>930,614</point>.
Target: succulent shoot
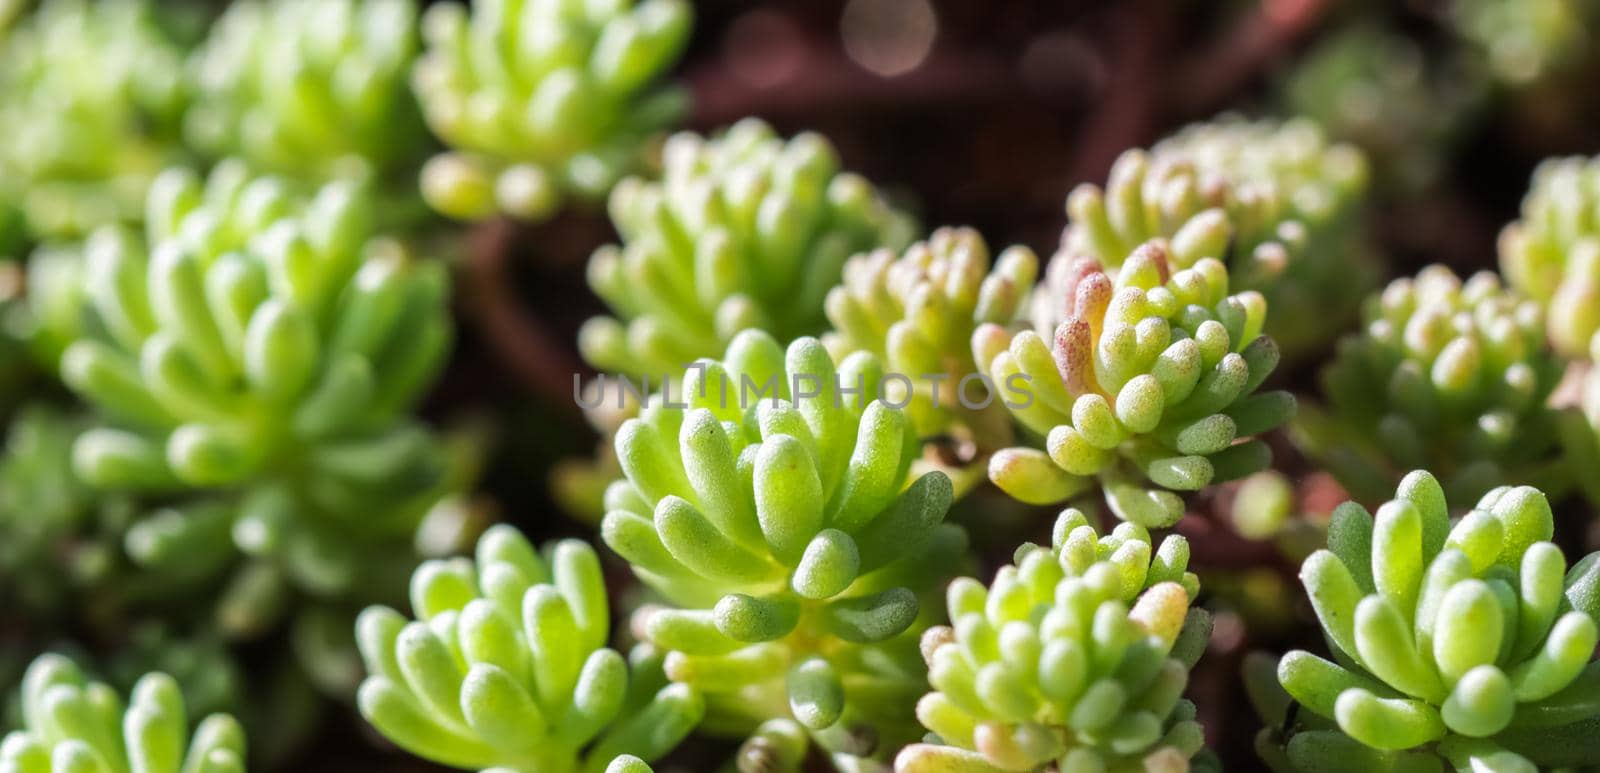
<point>1553,253</point>
<point>310,89</point>
<point>506,667</point>
<point>1467,640</point>
<point>745,230</point>
<point>1277,203</point>
<point>785,536</point>
<point>916,313</point>
<point>543,101</point>
<point>73,557</point>
<point>1407,107</point>
<point>91,95</point>
<point>1076,657</point>
<point>1525,41</point>
<point>72,724</point>
<point>258,337</point>
<point>1581,438</point>
<point>1145,380</point>
<point>1448,375</point>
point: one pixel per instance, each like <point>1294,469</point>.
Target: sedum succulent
<point>72,558</point>
<point>916,313</point>
<point>784,536</point>
<point>506,667</point>
<point>1581,431</point>
<point>1074,659</point>
<point>71,724</point>
<point>1405,106</point>
<point>91,94</point>
<point>1276,202</point>
<point>258,337</point>
<point>1553,253</point>
<point>1526,41</point>
<point>1145,381</point>
<point>311,89</point>
<point>540,100</point>
<point>1466,641</point>
<point>1449,375</point>
<point>745,230</point>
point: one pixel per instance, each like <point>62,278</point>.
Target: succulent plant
<point>1581,429</point>
<point>71,558</point>
<point>1074,658</point>
<point>72,724</point>
<point>258,338</point>
<point>310,89</point>
<point>506,667</point>
<point>1276,202</point>
<point>1449,375</point>
<point>91,94</point>
<point>1553,253</point>
<point>745,230</point>
<point>1466,641</point>
<point>916,313</point>
<point>200,663</point>
<point>1524,41</point>
<point>1405,106</point>
<point>1145,382</point>
<point>544,101</point>
<point>785,535</point>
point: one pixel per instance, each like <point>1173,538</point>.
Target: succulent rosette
<point>1581,431</point>
<point>1074,658</point>
<point>1466,642</point>
<point>1145,381</point>
<point>1449,375</point>
<point>1552,254</point>
<point>506,667</point>
<point>744,230</point>
<point>1276,202</point>
<point>544,101</point>
<point>310,89</point>
<point>253,360</point>
<point>916,312</point>
<point>91,95</point>
<point>1526,41</point>
<point>72,724</point>
<point>253,336</point>
<point>788,543</point>
<point>1407,107</point>
<point>74,559</point>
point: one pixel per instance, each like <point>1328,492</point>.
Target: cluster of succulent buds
<point>1467,640</point>
<point>1406,106</point>
<point>1075,656</point>
<point>542,101</point>
<point>1277,203</point>
<point>253,332</point>
<point>916,313</point>
<point>1446,375</point>
<point>744,230</point>
<point>506,667</point>
<point>1522,42</point>
<point>72,724</point>
<point>311,89</point>
<point>1552,254</point>
<point>76,557</point>
<point>1145,382</point>
<point>253,359</point>
<point>787,540</point>
<point>91,97</point>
